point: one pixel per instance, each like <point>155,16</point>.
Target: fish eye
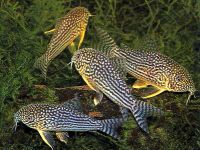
<point>78,56</point>
<point>178,78</point>
<point>29,118</point>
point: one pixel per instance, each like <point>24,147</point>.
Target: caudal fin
<point>110,126</point>
<point>141,110</point>
<point>41,63</point>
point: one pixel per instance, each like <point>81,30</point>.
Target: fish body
<point>97,68</point>
<point>150,68</point>
<point>67,29</point>
<point>47,118</point>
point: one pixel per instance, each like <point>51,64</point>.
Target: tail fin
<point>42,64</point>
<point>110,126</point>
<point>141,110</point>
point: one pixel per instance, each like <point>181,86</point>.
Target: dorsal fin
<point>73,104</point>
<point>106,44</point>
<point>146,43</point>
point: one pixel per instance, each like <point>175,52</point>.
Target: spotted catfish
<point>49,118</point>
<point>100,73</point>
<point>66,31</point>
<point>150,68</point>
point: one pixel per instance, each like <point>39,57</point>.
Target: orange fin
<point>95,114</point>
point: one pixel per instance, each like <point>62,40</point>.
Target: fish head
<point>181,81</point>
<point>83,58</point>
<point>25,115</point>
<point>80,12</point>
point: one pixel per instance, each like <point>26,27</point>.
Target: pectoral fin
<point>62,136</point>
<point>50,31</point>
<point>98,98</point>
<point>139,84</point>
<point>72,47</point>
<point>89,82</point>
<point>158,91</point>
<point>82,35</point>
<point>47,138</point>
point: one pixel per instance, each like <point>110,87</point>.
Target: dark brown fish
<point>66,31</point>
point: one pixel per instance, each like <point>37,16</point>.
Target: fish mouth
<point>14,128</point>
<point>72,61</point>
<point>196,94</point>
<point>16,120</point>
<point>71,64</point>
<point>192,93</point>
<point>189,97</point>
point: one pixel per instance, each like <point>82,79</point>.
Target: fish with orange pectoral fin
<point>49,118</point>
<point>101,71</point>
<point>149,68</point>
<point>67,29</point>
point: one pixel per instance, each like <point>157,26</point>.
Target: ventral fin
<point>47,138</point>
<point>62,136</point>
<point>98,98</point>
